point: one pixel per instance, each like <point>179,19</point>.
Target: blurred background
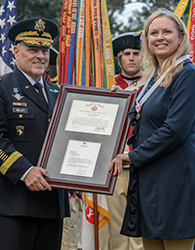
<point>124,15</point>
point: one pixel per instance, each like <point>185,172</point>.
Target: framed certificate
<point>88,129</point>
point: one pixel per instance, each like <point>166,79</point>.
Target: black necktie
<point>39,87</point>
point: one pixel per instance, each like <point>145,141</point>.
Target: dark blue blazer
<point>24,119</point>
<point>161,198</point>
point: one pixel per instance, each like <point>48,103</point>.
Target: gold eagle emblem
<point>40,25</point>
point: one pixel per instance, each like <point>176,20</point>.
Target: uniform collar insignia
<point>54,90</point>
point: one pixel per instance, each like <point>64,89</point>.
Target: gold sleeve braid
<point>8,160</point>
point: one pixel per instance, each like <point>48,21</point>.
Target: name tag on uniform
<point>20,110</point>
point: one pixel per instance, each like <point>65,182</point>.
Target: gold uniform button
<point>49,120</point>
<point>20,116</point>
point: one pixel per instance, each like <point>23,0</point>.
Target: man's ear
<point>16,50</point>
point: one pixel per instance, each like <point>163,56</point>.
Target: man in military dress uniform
<point>127,49</point>
<point>31,212</point>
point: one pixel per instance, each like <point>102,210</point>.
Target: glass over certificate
<point>92,117</point>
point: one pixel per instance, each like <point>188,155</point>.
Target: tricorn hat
<point>53,56</point>
<point>34,32</point>
<point>129,40</point>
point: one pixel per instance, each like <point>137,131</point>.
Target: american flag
<point>8,17</point>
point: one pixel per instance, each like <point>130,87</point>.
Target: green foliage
<point>113,6</point>
<point>50,9</point>
<point>40,8</point>
<point>136,21</point>
<point>169,5</point>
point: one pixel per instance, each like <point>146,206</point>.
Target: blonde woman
<point>161,194</point>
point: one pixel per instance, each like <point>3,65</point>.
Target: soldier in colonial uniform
<point>127,49</point>
<point>31,212</point>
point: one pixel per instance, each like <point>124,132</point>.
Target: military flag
<point>86,59</point>
<point>191,30</point>
<point>85,45</point>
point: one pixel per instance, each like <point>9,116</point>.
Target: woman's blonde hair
<point>149,60</point>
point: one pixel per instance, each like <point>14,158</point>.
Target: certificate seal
<point>94,108</point>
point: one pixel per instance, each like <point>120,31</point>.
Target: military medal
<point>19,104</point>
<point>137,116</point>
<point>138,109</point>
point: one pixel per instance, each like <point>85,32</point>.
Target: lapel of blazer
<point>28,89</point>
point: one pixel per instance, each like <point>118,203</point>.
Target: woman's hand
<point>118,163</point>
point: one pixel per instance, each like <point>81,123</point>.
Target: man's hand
<point>115,87</point>
<point>118,163</point>
<point>34,179</point>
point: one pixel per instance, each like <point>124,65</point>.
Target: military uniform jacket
<point>24,119</point>
<point>131,85</point>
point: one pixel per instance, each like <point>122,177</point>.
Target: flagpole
<point>96,221</point>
